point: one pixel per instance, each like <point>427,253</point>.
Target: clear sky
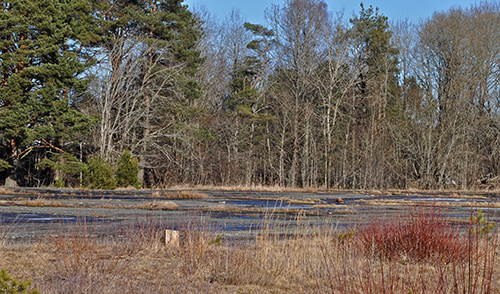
<point>253,10</point>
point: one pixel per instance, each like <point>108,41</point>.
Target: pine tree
<point>379,56</point>
<point>42,55</point>
<point>9,285</point>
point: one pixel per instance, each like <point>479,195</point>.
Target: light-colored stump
<point>172,237</point>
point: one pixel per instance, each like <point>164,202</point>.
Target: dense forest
<point>310,98</point>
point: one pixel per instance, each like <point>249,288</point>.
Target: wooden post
<point>172,237</point>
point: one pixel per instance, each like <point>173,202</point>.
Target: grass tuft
<point>159,205</point>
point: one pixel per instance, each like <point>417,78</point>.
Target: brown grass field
<point>420,252</point>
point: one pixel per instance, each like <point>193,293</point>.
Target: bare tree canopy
<point>308,99</point>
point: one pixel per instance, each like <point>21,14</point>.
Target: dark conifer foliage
<point>42,56</point>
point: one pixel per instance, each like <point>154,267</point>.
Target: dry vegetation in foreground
<point>417,253</point>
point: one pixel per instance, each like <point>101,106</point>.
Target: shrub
<point>9,285</point>
<point>127,170</point>
<point>59,184</point>
<point>99,174</point>
<point>423,235</point>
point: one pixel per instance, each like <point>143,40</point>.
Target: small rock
<point>339,200</point>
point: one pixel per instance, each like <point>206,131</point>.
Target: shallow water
<point>439,199</point>
<point>10,218</point>
<point>247,212</point>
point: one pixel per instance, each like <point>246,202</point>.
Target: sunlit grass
<point>414,253</point>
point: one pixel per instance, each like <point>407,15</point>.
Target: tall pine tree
<point>42,56</point>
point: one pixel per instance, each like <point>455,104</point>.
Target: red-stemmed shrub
<point>423,235</point>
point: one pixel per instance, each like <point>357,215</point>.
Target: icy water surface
<point>234,213</point>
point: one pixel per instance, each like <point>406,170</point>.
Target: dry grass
<point>258,188</point>
<point>36,202</point>
<point>462,194</point>
<point>8,191</point>
<point>277,210</point>
<point>158,205</point>
<point>336,211</point>
<point>307,201</point>
<point>180,195</point>
<point>390,202</point>
<point>321,259</point>
<point>42,202</point>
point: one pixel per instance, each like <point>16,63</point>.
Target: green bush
<point>10,286</point>
<point>59,184</point>
<point>127,170</point>
<point>99,174</point>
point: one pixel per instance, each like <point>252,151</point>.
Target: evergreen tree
<point>42,56</point>
<point>251,71</point>
<point>99,174</point>
<point>62,164</point>
<point>378,54</point>
<point>9,285</point>
<point>127,170</point>
<point>377,94</point>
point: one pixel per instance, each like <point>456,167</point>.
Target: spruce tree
<point>42,57</point>
<point>127,169</point>
<point>99,174</point>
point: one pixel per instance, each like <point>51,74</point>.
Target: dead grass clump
<point>181,195</point>
<point>128,188</point>
<point>38,202</point>
<point>307,201</point>
<point>87,260</point>
<point>159,205</point>
<point>191,195</point>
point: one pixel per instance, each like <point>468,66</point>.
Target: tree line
<point>310,98</point>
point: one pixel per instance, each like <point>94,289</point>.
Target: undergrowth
<point>421,252</point>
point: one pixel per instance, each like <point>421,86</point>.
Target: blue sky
<point>253,10</point>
